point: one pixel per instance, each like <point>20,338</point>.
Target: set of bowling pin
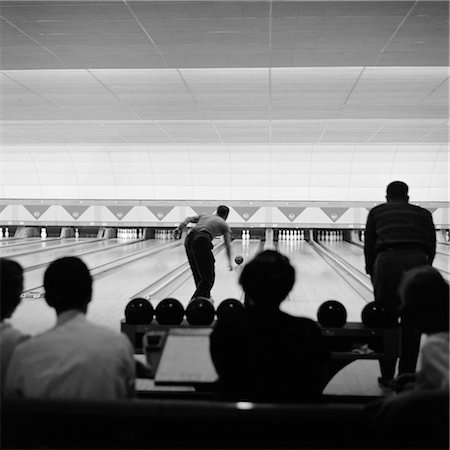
<point>330,235</point>
<point>291,235</point>
<point>245,235</point>
<point>6,235</point>
<point>130,233</point>
<point>164,234</point>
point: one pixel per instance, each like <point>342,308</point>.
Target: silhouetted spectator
<point>398,237</point>
<point>11,285</point>
<point>425,308</point>
<point>76,358</point>
<point>266,354</point>
<point>410,420</point>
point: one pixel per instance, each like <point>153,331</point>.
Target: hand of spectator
<point>403,382</point>
<point>143,370</point>
<point>177,233</point>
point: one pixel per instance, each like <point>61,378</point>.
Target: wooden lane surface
<point>55,252</point>
<point>349,252</point>
<point>11,252</point>
<point>316,282</point>
<point>226,284</point>
<point>110,253</point>
<point>111,291</point>
<point>444,248</point>
<point>355,255</point>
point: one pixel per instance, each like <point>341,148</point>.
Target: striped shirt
<point>397,225</point>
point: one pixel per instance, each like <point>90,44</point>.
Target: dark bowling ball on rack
<point>229,309</point>
<point>169,311</point>
<point>379,315</point>
<point>139,311</point>
<point>332,313</point>
<point>239,260</point>
<point>200,311</point>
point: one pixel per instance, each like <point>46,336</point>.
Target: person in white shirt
<point>425,307</point>
<point>76,359</point>
<point>11,285</point>
<point>199,247</point>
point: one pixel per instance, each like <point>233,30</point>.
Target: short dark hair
<point>68,284</point>
<point>424,300</point>
<point>268,278</point>
<point>397,189</point>
<point>11,286</point>
<point>223,211</point>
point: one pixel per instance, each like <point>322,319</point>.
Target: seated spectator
<point>11,285</point>
<point>266,354</point>
<point>425,308</point>
<point>411,420</point>
<point>76,358</point>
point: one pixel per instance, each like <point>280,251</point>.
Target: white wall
<point>247,172</point>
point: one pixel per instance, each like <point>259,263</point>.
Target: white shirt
<point>433,373</point>
<point>76,359</point>
<point>9,339</point>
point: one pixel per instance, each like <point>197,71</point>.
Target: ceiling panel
<point>224,72</point>
<point>148,34</point>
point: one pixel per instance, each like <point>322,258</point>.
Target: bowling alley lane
<point>443,248</point>
<point>94,255</point>
<point>98,252</point>
<point>17,242</point>
<point>226,284</point>
<point>355,256</point>
<point>111,290</point>
<point>42,245</point>
<point>351,253</point>
<point>316,281</point>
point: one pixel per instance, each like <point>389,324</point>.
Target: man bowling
<point>199,247</point>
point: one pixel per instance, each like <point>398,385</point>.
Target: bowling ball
<point>139,311</point>
<point>332,313</point>
<point>200,311</point>
<point>239,259</point>
<point>379,315</point>
<point>169,311</point>
<point>229,309</point>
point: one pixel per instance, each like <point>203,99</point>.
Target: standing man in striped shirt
<point>398,237</point>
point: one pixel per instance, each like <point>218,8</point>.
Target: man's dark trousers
<point>201,259</point>
<point>389,267</point>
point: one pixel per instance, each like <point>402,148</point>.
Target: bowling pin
<point>6,233</point>
<point>77,233</point>
<point>1,233</point>
<point>43,233</point>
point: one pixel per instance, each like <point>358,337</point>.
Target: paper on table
<point>186,359</point>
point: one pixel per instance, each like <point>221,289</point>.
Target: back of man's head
<point>11,285</point>
<point>397,190</point>
<point>68,284</point>
<point>223,211</point>
<point>425,300</point>
<point>267,279</point>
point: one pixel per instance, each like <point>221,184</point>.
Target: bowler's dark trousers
<point>390,265</point>
<point>201,259</point>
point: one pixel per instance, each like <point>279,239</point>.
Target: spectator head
<point>68,285</point>
<point>424,300</point>
<point>223,211</point>
<point>11,286</point>
<point>397,191</point>
<point>267,279</point>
